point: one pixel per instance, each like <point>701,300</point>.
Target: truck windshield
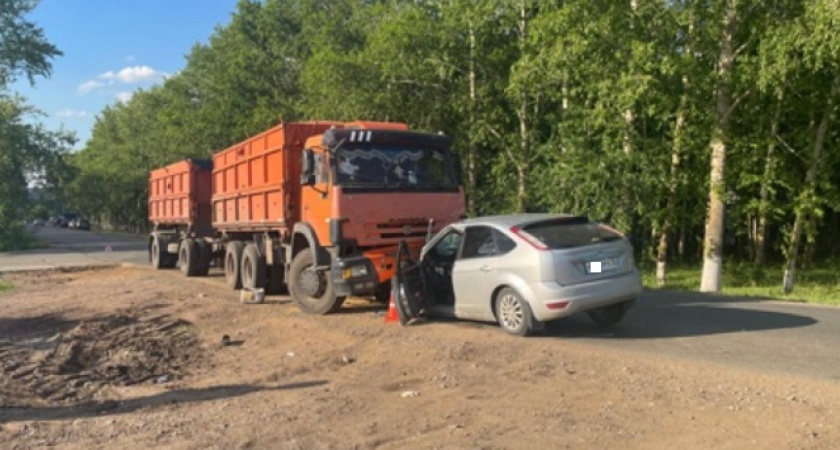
<point>394,167</point>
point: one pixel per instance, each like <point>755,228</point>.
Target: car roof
<point>509,220</point>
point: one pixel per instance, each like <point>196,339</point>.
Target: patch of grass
<point>18,238</point>
<point>5,286</point>
<point>817,285</point>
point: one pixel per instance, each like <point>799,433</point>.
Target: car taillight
<point>522,234</point>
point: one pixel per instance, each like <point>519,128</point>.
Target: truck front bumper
<point>354,276</point>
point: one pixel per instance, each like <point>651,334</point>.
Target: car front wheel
<point>514,313</point>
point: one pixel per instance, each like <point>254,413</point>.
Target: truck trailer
<point>317,208</point>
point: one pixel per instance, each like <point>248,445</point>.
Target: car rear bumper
<point>551,297</point>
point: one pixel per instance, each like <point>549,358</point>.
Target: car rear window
<point>570,232</point>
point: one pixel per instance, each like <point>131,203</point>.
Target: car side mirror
<point>307,173</point>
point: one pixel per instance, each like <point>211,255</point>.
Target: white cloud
<point>124,96</point>
<point>89,86</point>
<point>71,113</point>
<point>126,75</point>
<point>135,74</point>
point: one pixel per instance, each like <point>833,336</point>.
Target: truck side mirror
<point>307,173</point>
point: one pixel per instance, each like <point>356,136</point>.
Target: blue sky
<point>111,48</point>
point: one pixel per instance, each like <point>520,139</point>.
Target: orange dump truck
<point>315,207</point>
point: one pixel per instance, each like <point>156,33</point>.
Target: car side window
<point>447,247</point>
<point>503,243</point>
<point>478,243</point>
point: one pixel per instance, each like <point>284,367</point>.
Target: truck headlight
<point>354,271</point>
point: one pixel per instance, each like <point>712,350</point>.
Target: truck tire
<point>312,290</point>
<point>157,256</point>
<point>205,256</point>
<point>233,261</point>
<point>253,268</point>
<point>188,257</point>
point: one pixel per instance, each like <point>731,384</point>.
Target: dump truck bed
<point>256,182</point>
<point>179,194</point>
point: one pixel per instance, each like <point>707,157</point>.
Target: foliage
<point>23,48</point>
<point>819,285</point>
<point>579,106</point>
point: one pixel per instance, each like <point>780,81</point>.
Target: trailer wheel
<point>188,257</point>
<point>311,289</point>
<point>253,268</point>
<point>205,256</point>
<point>233,259</point>
<point>156,256</point>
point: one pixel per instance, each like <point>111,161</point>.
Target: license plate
<point>604,266</point>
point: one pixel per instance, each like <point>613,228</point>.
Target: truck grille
<point>403,228</point>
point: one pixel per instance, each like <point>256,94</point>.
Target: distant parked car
<point>38,223</point>
<point>520,271</point>
<point>82,224</point>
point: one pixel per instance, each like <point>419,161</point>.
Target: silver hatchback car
<point>521,271</point>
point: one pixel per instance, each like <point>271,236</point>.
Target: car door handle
<point>484,268</point>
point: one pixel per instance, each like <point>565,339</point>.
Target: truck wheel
<point>188,257</point>
<point>233,258</point>
<point>159,256</point>
<point>253,268</point>
<point>312,290</point>
<point>205,255</point>
<point>156,256</point>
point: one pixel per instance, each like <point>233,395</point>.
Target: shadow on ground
<point>113,407</point>
<point>671,314</point>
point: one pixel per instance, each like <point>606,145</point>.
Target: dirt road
<point>63,247</point>
<point>131,358</point>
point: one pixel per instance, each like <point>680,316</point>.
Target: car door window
<point>446,248</point>
<point>478,243</point>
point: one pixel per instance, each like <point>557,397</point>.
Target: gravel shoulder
<point>132,358</point>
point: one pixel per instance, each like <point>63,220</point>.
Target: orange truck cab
<point>365,187</point>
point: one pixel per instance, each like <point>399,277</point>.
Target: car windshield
<point>570,232</point>
<point>394,167</point>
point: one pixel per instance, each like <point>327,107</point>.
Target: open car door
<point>409,287</point>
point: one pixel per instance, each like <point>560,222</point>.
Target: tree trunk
<point>629,116</point>
<point>676,154</point>
<point>766,181</point>
<point>471,169</point>
<point>523,168</point>
<point>715,218</point>
<point>804,213</point>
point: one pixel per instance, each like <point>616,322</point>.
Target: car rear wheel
<point>311,289</point>
<point>514,313</point>
<point>608,316</point>
<point>233,261</point>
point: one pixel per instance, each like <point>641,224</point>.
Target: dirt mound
<point>118,350</point>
